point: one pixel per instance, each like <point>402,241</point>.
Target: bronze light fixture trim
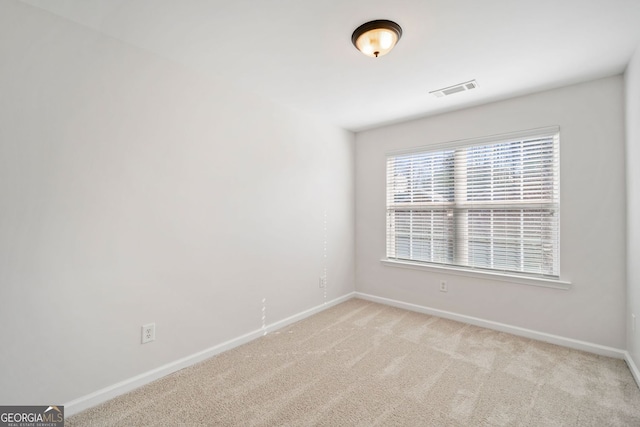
<point>376,38</point>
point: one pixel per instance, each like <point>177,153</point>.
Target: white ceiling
<point>299,52</point>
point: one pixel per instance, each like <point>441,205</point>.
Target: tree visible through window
<point>484,205</point>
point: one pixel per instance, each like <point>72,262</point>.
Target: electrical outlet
<point>443,286</point>
<point>322,282</point>
<point>148,333</point>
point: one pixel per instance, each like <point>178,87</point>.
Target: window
<point>486,204</point>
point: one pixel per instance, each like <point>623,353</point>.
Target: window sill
<point>486,275</point>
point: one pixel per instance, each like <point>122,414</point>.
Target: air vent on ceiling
<point>461,87</point>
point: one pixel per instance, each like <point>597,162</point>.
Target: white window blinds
<point>484,204</point>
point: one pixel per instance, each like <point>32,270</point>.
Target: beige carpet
<point>366,364</point>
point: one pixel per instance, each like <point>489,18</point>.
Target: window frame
<point>539,279</point>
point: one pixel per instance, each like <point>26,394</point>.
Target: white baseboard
<point>632,367</point>
<point>107,393</point>
<point>502,327</point>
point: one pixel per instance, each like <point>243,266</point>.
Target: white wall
<point>632,80</point>
<point>133,190</point>
<point>590,117</point>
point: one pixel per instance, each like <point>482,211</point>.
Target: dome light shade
<point>376,38</point>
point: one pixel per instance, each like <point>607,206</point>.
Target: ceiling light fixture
<point>376,38</point>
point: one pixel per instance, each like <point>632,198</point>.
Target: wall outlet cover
<point>148,333</point>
